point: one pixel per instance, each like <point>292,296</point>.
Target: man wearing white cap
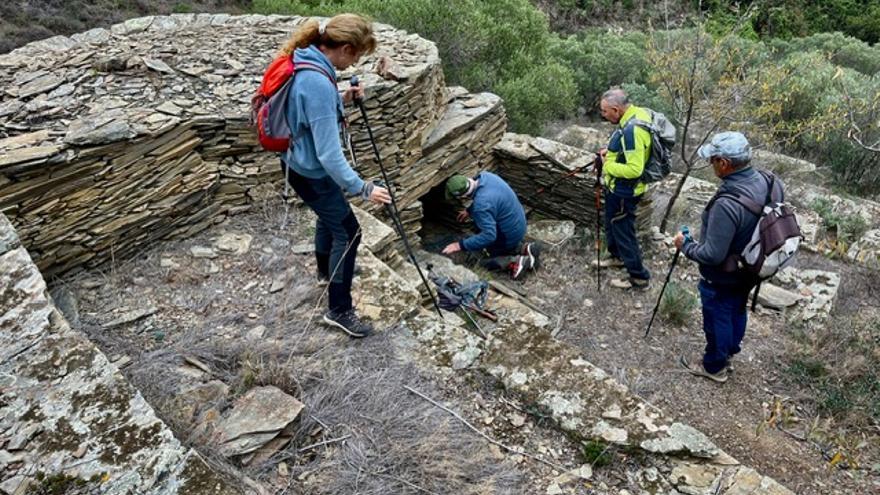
<point>727,226</point>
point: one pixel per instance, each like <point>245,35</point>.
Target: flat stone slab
<point>64,404</point>
<point>772,296</point>
<point>817,288</point>
<point>552,232</point>
<point>586,138</point>
<point>256,418</point>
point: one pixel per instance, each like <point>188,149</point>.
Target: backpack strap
<point>755,296</point>
<point>731,262</point>
<point>310,66</point>
<point>748,203</point>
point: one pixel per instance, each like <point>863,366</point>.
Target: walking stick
<point>597,164</point>
<point>392,208</point>
<point>687,235</point>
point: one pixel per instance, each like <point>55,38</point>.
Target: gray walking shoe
<point>696,369</point>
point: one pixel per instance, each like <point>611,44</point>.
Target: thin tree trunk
<point>673,198</point>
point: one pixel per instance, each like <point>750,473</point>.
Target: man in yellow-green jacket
<point>623,162</point>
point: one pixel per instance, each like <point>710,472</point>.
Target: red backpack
<point>269,104</point>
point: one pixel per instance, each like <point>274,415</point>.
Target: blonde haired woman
<point>318,170</point>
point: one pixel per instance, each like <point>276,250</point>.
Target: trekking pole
<point>597,164</point>
<point>392,208</point>
<point>687,235</point>
<point>560,179</point>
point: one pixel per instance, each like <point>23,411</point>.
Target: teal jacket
<point>315,113</point>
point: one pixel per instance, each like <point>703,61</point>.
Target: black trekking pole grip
<point>687,234</point>
<point>393,211</point>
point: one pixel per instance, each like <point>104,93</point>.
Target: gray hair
<point>616,97</point>
<point>740,162</point>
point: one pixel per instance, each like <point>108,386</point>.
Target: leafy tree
<point>485,45</point>
<point>716,83</point>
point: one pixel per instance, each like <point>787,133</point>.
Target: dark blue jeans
<point>337,235</point>
<point>620,232</point>
<point>724,322</point>
<point>502,253</point>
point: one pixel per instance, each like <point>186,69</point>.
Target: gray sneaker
<point>348,322</point>
<point>609,262</point>
<point>696,369</point>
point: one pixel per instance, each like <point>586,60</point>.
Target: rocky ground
<point>206,325</point>
<point>745,415</point>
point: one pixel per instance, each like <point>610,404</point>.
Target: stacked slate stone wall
<point>555,179</point>
<point>111,139</point>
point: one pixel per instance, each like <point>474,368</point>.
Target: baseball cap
<point>456,186</point>
<point>729,144</point>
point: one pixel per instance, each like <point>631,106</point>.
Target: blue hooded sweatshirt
<point>498,214</point>
<point>314,113</point>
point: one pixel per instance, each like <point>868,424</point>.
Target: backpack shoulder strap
<point>774,188</point>
<point>749,204</point>
<point>309,66</point>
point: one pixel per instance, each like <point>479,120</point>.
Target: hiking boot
<point>609,262</point>
<point>533,251</point>
<point>696,369</point>
<point>630,283</point>
<point>521,264</point>
<point>348,322</point>
<point>640,283</point>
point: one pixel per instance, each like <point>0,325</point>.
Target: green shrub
<point>644,96</point>
<point>600,60</point>
<point>596,454</point>
<point>485,45</point>
<point>839,48</point>
<point>543,92</point>
<point>848,228</point>
<point>677,305</point>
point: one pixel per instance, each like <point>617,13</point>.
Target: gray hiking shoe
<point>631,283</point>
<point>348,322</point>
<point>609,262</point>
<point>696,369</point>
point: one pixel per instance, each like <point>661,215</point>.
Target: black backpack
<point>662,132</point>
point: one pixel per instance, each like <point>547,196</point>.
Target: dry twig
<point>487,437</point>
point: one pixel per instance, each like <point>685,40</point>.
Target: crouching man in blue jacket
<point>501,220</point>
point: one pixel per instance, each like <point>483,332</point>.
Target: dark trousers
<point>502,253</point>
<point>620,232</point>
<point>724,322</point>
<point>337,235</point>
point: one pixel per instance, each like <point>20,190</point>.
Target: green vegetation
<point>847,228</point>
<point>785,19</point>
<point>841,364</point>
<point>596,454</point>
<point>62,484</point>
<point>677,305</point>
